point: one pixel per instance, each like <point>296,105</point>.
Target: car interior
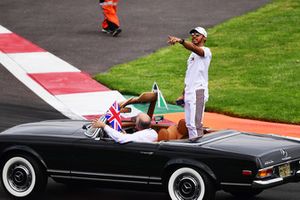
<point>166,130</point>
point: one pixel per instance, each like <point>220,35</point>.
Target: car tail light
<point>247,172</point>
<point>263,173</point>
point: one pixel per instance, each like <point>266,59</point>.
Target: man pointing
<point>196,80</point>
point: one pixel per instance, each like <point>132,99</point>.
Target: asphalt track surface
<point>69,30</point>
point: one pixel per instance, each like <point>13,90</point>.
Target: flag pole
<point>160,96</point>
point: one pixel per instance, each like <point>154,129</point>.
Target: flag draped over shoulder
<point>113,117</point>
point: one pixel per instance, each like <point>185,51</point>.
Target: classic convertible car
<point>243,164</point>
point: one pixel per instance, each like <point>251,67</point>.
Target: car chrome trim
<point>221,137</point>
<point>268,182</point>
<point>155,178</point>
<point>60,176</point>
<point>109,175</point>
<point>236,184</point>
<point>106,180</point>
<point>105,177</point>
<point>58,171</point>
<point>202,143</point>
<point>147,152</point>
<point>155,183</point>
<point>285,137</point>
<point>109,180</point>
<point>281,163</point>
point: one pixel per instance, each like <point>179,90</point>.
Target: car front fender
<point>19,149</point>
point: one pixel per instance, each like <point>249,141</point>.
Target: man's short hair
<point>143,122</point>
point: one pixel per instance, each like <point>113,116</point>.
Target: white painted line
<point>20,74</point>
<point>90,103</point>
<point>93,103</point>
<point>41,62</point>
<point>74,106</point>
<point>4,30</point>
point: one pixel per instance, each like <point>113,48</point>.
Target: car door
<point>111,161</point>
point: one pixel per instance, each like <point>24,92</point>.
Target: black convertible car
<point>243,164</point>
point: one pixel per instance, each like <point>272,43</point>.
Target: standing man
<point>111,23</point>
<point>196,80</point>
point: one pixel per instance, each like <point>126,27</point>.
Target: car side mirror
<point>158,118</point>
<point>85,126</point>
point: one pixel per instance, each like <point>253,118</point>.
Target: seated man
<point>144,133</point>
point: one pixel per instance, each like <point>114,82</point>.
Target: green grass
<point>254,73</point>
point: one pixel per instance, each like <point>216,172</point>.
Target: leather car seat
<point>174,132</point>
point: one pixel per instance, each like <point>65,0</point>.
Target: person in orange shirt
<point>111,23</point>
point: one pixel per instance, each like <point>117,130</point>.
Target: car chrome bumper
<point>272,182</point>
<point>267,183</point>
<point>264,184</point>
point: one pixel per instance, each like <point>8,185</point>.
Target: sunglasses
<point>196,34</point>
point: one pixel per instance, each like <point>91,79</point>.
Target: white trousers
<point>194,111</point>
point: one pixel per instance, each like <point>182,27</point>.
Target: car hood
<point>50,127</point>
<point>270,149</point>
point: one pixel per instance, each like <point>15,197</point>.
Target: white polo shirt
<point>196,76</point>
<point>146,135</point>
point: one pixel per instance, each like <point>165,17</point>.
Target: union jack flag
<point>113,116</point>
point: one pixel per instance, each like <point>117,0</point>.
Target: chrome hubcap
<point>187,187</point>
<point>19,177</point>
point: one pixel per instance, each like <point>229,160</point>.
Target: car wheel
<point>188,184</point>
<point>23,177</point>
